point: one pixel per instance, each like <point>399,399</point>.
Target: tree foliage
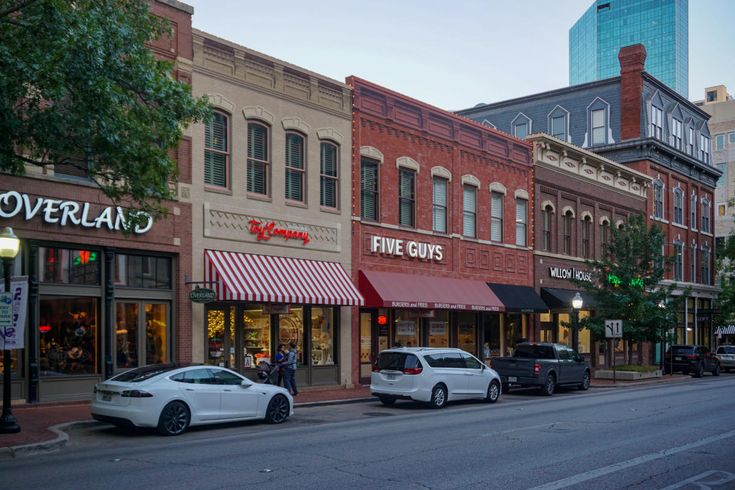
<point>626,284</point>
<point>80,87</point>
<point>726,272</point>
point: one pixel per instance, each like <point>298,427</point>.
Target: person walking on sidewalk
<point>290,369</point>
<point>280,362</point>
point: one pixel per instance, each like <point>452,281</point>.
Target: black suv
<point>691,359</point>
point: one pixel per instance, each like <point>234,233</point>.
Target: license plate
<point>678,358</point>
<point>512,379</point>
<point>106,397</point>
<point>390,377</point>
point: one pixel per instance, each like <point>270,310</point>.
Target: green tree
<point>626,285</point>
<point>725,266</point>
<point>80,88</point>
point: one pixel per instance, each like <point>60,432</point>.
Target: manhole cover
<point>378,414</point>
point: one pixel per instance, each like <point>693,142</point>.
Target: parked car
<point>432,375</point>
<point>726,355</point>
<point>544,365</point>
<point>171,398</point>
<point>691,359</point>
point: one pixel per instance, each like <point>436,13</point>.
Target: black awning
<point>521,299</point>
<point>562,298</point>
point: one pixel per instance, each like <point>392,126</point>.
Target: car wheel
<point>585,385</point>
<point>699,372</point>
<point>388,401</point>
<point>174,420</point>
<point>493,392</point>
<point>549,386</point>
<point>716,370</point>
<point>438,397</point>
<point>278,409</point>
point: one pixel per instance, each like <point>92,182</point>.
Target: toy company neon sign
<point>266,231</point>
<point>63,213</point>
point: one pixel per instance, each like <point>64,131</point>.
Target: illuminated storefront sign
<point>65,213</point>
<point>399,248</point>
<point>266,231</point>
<point>570,273</point>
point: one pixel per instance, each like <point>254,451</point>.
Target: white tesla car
<point>171,398</point>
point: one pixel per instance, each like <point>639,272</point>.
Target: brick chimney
<point>632,63</point>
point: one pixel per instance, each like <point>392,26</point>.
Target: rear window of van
<point>397,361</point>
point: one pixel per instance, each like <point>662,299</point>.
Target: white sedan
<point>171,398</point>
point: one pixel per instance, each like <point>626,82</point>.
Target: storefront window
<point>322,336</point>
<point>584,335</point>
<point>126,335</point>
<point>156,326</point>
<point>467,332</point>
<point>291,328</point>
<point>67,266</point>
<point>491,334</point>
<point>365,344</point>
<point>513,331</point>
<point>564,323</point>
<point>138,271</point>
<point>439,329</point>
<point>216,320</point>
<point>68,340</point>
<point>256,341</point>
<point>406,329</point>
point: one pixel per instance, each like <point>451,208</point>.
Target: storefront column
<point>696,320</point>
<point>32,347</point>
<point>502,334</point>
<point>108,335</point>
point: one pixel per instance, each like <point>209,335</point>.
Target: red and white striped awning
<point>725,330</point>
<point>263,278</point>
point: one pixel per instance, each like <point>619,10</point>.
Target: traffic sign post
<point>614,330</point>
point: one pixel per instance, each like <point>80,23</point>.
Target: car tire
<point>716,370</point>
<point>388,401</point>
<point>278,410</point>
<point>585,385</point>
<point>438,397</point>
<point>549,385</point>
<point>699,371</point>
<point>174,419</point>
<point>493,392</point>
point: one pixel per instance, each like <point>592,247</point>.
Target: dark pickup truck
<point>544,365</point>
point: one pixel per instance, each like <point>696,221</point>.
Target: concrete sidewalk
<point>42,424</point>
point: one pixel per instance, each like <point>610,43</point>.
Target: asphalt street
<point>678,435</point>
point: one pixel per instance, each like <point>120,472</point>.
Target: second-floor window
<point>587,237</point>
<point>521,221</point>
<point>406,197</point>
<point>678,206</point>
<point>604,236</point>
<point>706,210</point>
<point>658,199</point>
<point>704,148</point>
<point>705,266</point>
<point>657,122</point>
<point>369,195</point>
<point>546,228</point>
<point>295,167</point>
<point>496,216</point>
<point>693,263</point>
<point>439,201</point>
<point>258,159</point>
<point>676,134</point>
<point>678,261</point>
<point>216,151</point>
<point>329,177</point>
<point>567,233</point>
<point>693,212</point>
<point>469,214</point>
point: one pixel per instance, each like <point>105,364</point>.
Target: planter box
<point>626,375</point>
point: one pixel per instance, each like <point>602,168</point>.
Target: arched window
<point>678,261</point>
<point>567,232</point>
<point>295,167</point>
<point>469,211</point>
<point>678,206</point>
<point>706,210</point>
<point>704,258</point>
<point>658,199</point>
<point>604,236</point>
<point>587,237</point>
<point>258,159</point>
<point>217,151</point>
<point>548,216</point>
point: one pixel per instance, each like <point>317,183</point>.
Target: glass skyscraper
<point>662,26</point>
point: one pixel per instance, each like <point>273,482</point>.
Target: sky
<point>451,54</point>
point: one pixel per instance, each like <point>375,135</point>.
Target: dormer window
<point>521,126</point>
<point>657,122</point>
<point>676,133</point>
<point>704,148</point>
<point>690,140</point>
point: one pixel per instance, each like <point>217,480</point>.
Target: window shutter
<point>257,142</point>
<point>496,217</point>
<point>329,159</point>
<point>440,205</point>
<point>470,208</point>
<point>368,201</point>
<point>521,205</point>
<point>215,150</point>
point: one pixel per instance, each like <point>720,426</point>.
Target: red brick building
<point>99,301</point>
<point>441,207</point>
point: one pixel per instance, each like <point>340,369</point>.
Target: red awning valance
<point>263,278</point>
<point>397,290</point>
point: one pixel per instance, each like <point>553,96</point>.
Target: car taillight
<point>536,369</point>
<point>376,368</point>
<point>136,394</point>
<point>692,356</point>
<point>415,370</point>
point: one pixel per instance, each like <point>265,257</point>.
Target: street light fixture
<point>577,303</point>
<point>9,244</point>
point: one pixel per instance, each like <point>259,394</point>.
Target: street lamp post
<point>9,245</point>
<point>577,303</point>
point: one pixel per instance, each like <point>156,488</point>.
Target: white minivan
<point>432,375</point>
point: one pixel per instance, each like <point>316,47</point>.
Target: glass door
<point>220,336</point>
<point>141,334</point>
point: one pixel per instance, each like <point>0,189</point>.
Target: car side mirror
<point>246,384</point>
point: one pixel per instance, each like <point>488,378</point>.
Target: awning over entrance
<point>396,290</point>
<point>562,298</point>
<point>726,330</point>
<point>519,299</point>
<point>267,279</point>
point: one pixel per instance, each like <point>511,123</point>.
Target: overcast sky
<point>453,54</point>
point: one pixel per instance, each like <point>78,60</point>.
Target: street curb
<point>49,446</point>
<point>334,402</point>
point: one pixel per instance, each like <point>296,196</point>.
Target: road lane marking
<point>705,480</point>
<point>606,470</point>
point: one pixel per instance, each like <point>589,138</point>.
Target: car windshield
<point>534,351</point>
<point>726,350</point>
<point>143,373</point>
<point>397,361</point>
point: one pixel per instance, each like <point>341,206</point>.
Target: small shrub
<point>637,368</point>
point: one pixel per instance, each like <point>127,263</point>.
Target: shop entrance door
<point>141,334</point>
<point>221,336</point>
